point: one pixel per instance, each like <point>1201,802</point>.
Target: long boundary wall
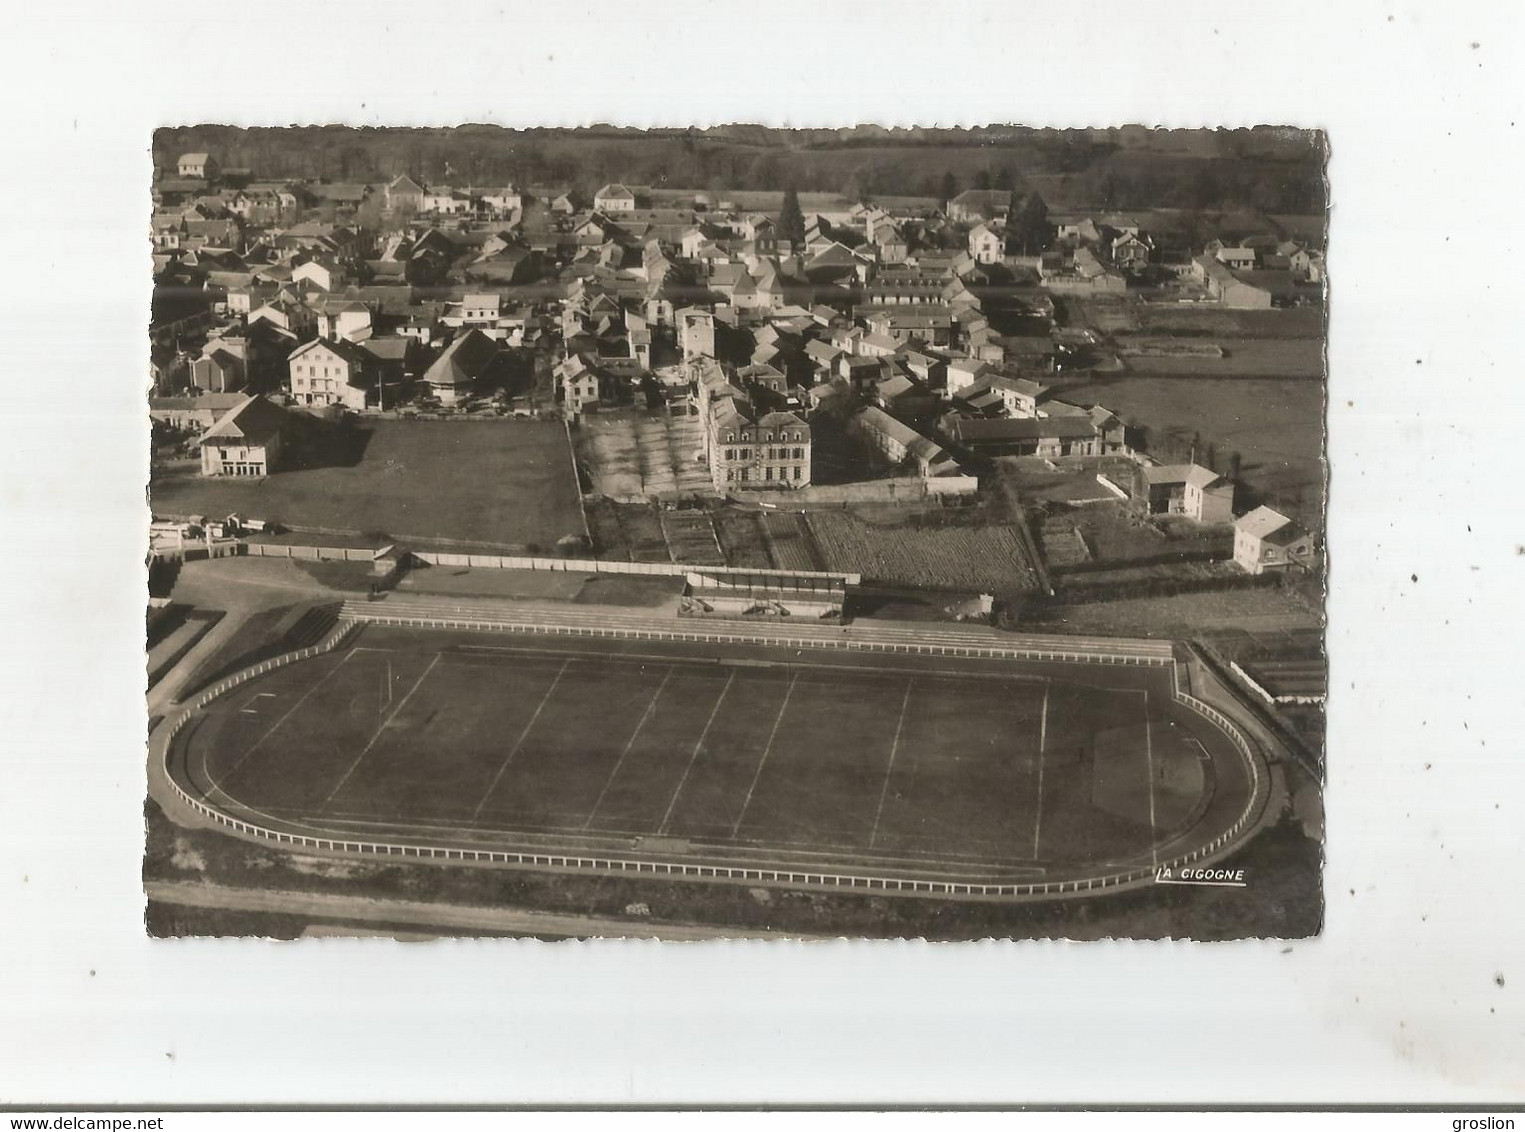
<point>1016,648</point>
<point>1135,876</point>
<point>599,566</point>
<point>526,562</point>
<point>308,553</point>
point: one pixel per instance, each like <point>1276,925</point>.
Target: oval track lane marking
<point>216,787</point>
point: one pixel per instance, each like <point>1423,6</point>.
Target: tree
<point>1029,226</point>
<point>1108,192</point>
<point>982,179</point>
<point>791,221</point>
<point>949,187</point>
<point>1206,191</point>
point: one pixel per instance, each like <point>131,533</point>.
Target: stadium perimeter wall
<point>1137,876</point>
<point>522,562</point>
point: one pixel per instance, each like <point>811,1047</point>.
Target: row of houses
<point>750,333</point>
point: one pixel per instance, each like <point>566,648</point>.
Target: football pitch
<point>943,767</point>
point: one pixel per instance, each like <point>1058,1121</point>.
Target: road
<point>445,918</point>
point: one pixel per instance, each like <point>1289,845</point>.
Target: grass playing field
<point>942,766</point>
<point>503,483</point>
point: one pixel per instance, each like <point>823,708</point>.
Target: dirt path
<point>451,917</point>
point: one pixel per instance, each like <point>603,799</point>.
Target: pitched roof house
<point>986,245</point>
<point>403,192</point>
<point>332,372</point>
<point>614,198</point>
<point>578,384</point>
<point>246,440</point>
<point>1266,539</point>
<point>196,165</point>
<point>978,204</point>
<point>898,442</point>
<point>218,371</point>
<point>1189,489</point>
<point>470,362</point>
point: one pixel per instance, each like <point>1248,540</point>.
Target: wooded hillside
<point>1267,169</point>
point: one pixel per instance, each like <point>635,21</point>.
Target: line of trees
<point>1247,174</point>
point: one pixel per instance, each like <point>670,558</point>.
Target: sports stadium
<point>919,760</point>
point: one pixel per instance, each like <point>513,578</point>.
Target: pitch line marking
<point>651,709</point>
<point>255,745</point>
<point>693,758</point>
<point>519,742</point>
<point>387,722</point>
<point>1042,745</point>
<point>767,750</point>
<point>1149,755</point>
<point>890,769</point>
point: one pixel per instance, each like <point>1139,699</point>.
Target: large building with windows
<point>749,450</point>
<point>335,372</point>
<point>746,446</point>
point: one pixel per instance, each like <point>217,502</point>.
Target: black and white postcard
<point>737,532</point>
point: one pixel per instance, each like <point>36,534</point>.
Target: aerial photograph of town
<point>736,532</point>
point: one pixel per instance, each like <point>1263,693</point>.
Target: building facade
<point>1266,540</point>
<point>245,441</point>
<point>329,372</point>
<point>771,450</point>
<point>1191,490</point>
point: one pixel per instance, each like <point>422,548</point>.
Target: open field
<point>988,558</point>
<point>1126,319</point>
<point>504,483</point>
<point>1276,426</point>
<point>1219,322</point>
<point>1180,615</point>
<point>1243,357</point>
<point>935,765</point>
<point>543,586</point>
